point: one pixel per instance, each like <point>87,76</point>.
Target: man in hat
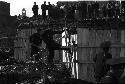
<point>115,75</point>
<point>100,67</point>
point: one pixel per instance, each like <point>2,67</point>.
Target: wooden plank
<point>23,41</point>
<point>79,36</point>
<point>98,37</point>
<point>84,55</point>
<point>91,38</point>
<point>83,37</point>
<point>115,38</point>
<point>122,54</point>
<point>92,42</point>
<point>86,72</point>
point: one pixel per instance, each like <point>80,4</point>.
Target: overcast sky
<point>16,6</point>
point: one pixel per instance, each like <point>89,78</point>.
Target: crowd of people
<point>84,9</point>
<point>71,12</point>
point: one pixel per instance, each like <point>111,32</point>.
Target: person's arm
<point>33,8</point>
<point>58,32</point>
<point>37,7</point>
<point>42,6</point>
<point>54,32</point>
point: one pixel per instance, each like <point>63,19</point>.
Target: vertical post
<point>122,54</point>
<point>82,53</point>
<point>74,50</point>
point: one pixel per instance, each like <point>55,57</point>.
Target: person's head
<point>34,3</point>
<point>105,46</point>
<point>44,2</point>
<point>48,3</point>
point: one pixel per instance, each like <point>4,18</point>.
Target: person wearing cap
<point>100,67</point>
<point>115,75</point>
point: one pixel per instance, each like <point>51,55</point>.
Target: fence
<point>88,47</point>
<point>22,45</point>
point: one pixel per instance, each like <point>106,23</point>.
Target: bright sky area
<point>16,6</point>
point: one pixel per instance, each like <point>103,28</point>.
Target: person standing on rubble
<point>49,7</point>
<point>35,10</point>
<point>100,66</point>
<point>44,8</point>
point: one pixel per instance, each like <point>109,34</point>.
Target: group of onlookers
<point>83,9</point>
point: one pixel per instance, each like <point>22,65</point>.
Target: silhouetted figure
<point>117,9</point>
<point>90,10</point>
<point>35,9</point>
<point>56,13</point>
<point>110,9</point>
<point>69,14</point>
<point>73,11</point>
<point>93,9</point>
<point>123,8</point>
<point>123,4</point>
<point>80,9</point>
<point>100,66</point>
<point>49,7</point>
<point>84,9</point>
<point>116,74</point>
<point>104,9</point>
<point>46,36</point>
<point>35,41</point>
<point>51,45</point>
<point>44,8</point>
<point>114,8</point>
<point>96,9</point>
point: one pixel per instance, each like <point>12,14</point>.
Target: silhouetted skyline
<point>16,6</point>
